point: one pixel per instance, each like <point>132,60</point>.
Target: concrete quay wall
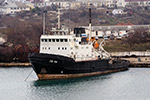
<point>138,59</point>
<point>131,54</point>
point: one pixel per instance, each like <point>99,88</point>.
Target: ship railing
<point>102,51</point>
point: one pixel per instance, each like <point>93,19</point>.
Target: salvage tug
<point>65,55</point>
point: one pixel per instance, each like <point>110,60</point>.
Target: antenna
<point>68,19</point>
<point>59,17</point>
<point>90,23</point>
<point>44,13</point>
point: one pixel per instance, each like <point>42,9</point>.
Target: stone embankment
<point>14,64</point>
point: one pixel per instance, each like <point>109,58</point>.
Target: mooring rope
<point>28,75</point>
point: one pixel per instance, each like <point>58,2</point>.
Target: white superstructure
<point>67,45</point>
<point>78,46</point>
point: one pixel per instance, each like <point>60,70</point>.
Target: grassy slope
<point>119,46</point>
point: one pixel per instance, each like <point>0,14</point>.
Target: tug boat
<point>70,55</point>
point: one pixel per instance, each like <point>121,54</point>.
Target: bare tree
<point>140,35</point>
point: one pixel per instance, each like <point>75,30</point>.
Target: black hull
<point>56,65</point>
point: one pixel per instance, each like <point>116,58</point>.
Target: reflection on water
<point>69,89</point>
<point>127,85</point>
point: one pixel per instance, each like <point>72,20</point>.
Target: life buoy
<point>96,45</point>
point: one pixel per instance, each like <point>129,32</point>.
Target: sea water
<point>133,84</point>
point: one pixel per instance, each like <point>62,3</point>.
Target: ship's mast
<point>59,18</point>
<point>90,24</point>
<point>44,22</point>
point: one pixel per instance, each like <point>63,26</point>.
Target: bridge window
<point>44,40</point>
<point>66,40</point>
<point>53,40</point>
<point>49,40</point>
<point>61,40</point>
<point>57,40</point>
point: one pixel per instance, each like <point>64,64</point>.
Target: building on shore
<point>97,3</point>
<point>115,30</point>
<point>141,3</point>
<point>12,7</point>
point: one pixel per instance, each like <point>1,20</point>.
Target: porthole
<point>62,72</point>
